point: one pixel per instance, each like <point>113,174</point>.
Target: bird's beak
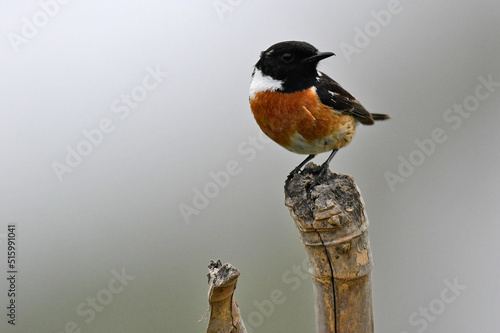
<point>319,56</point>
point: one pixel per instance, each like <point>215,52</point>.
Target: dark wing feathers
<point>332,94</point>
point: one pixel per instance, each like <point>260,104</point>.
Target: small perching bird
<point>301,108</point>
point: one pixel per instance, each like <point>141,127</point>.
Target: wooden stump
<point>224,313</point>
<point>334,229</point>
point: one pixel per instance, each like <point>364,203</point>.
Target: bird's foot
<point>289,178</point>
<point>322,171</point>
<point>296,171</point>
<point>292,173</point>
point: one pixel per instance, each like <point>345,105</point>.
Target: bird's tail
<point>380,116</point>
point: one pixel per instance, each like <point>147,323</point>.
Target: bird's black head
<point>294,63</point>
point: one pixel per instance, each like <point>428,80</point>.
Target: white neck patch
<point>261,83</point>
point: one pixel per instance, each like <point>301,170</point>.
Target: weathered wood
<point>224,313</point>
<point>333,227</point>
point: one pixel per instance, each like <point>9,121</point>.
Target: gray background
<point>120,208</point>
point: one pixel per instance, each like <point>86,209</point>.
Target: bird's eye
<point>287,57</point>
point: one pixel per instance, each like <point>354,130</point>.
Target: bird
<point>302,109</point>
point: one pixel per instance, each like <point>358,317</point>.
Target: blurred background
<point>130,158</point>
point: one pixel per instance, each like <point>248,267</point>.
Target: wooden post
<point>333,227</point>
<point>224,313</point>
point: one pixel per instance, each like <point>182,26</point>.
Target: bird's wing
<point>332,94</point>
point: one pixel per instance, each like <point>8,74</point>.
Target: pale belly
<point>335,140</point>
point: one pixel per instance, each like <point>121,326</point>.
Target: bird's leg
<point>322,170</point>
<point>297,169</point>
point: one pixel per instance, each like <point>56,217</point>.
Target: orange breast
<point>300,122</point>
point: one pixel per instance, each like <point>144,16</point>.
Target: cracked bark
<point>334,230</point>
<point>224,312</point>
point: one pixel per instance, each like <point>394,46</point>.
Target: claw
<point>323,169</point>
<point>295,171</point>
